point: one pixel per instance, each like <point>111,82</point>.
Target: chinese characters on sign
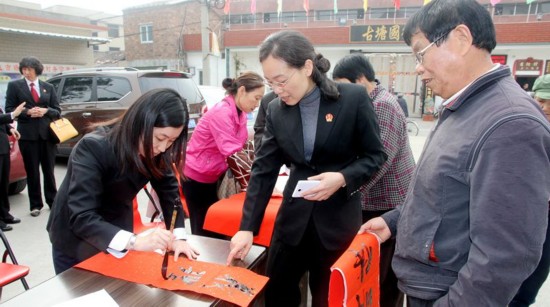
<point>547,68</point>
<point>376,33</point>
<point>528,65</point>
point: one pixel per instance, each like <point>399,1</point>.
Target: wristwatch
<point>132,242</point>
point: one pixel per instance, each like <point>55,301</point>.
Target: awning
<point>96,40</point>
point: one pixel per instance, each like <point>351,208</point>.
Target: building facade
<point>170,35</point>
<point>60,41</point>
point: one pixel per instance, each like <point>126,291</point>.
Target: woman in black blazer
<point>37,144</point>
<point>326,132</point>
<point>93,210</point>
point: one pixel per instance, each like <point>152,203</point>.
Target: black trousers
<point>390,295</point>
<point>38,154</point>
<point>287,264</point>
<point>199,197</point>
<point>4,185</point>
<point>62,262</point>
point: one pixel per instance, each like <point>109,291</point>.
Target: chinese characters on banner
<point>354,279</point>
<point>233,284</point>
<point>6,67</point>
<point>547,68</point>
<point>376,33</point>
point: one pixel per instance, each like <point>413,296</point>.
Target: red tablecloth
<point>224,217</point>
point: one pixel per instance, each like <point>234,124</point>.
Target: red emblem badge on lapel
<point>329,117</point>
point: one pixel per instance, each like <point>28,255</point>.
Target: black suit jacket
<point>5,120</point>
<point>347,141</point>
<point>94,202</point>
<point>33,129</point>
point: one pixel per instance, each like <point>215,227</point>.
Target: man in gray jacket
<point>473,223</point>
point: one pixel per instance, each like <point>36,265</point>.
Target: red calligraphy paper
<point>225,215</point>
<point>233,284</point>
<point>355,276</point>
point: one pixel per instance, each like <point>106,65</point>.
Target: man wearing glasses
<point>473,223</point>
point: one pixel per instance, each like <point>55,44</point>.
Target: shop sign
<point>376,33</point>
<point>528,66</point>
<point>499,58</point>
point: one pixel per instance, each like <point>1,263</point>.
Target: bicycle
<point>412,128</point>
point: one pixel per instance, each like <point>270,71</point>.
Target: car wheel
<point>17,187</point>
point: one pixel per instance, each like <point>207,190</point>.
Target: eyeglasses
<point>280,84</point>
<point>420,54</point>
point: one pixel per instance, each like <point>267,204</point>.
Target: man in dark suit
<point>5,130</point>
<point>37,144</point>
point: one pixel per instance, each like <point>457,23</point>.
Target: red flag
<point>397,4</point>
<point>252,6</point>
<point>226,7</point>
<point>306,6</point>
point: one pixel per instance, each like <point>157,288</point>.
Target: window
<point>146,33</point>
<point>95,47</point>
<point>324,15</point>
<point>114,48</point>
<point>77,89</point>
<point>112,88</point>
<point>379,13</point>
<point>113,30</point>
<point>55,83</point>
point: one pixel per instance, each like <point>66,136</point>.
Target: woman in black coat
<point>326,132</point>
<point>93,210</point>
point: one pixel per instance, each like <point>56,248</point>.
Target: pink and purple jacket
<point>220,133</point>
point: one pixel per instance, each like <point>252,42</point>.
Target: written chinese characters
<point>376,33</point>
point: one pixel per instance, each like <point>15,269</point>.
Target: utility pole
<point>205,41</point>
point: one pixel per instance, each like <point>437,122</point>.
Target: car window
<point>55,83</point>
<point>76,90</point>
<point>112,88</point>
<point>185,87</point>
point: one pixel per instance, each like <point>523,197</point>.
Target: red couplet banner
<point>355,276</point>
<point>233,284</point>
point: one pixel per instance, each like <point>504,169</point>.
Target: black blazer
<point>347,141</point>
<point>33,129</point>
<point>5,120</point>
<point>94,202</point>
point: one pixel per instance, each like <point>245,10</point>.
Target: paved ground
<point>31,244</point>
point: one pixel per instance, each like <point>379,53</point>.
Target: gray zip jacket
<point>473,223</point>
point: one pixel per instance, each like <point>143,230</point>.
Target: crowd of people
<point>453,226</point>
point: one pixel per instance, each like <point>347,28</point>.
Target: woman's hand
<point>19,109</point>
<point>151,240</point>
<point>240,245</point>
<point>183,247</point>
<point>330,182</point>
<point>15,133</point>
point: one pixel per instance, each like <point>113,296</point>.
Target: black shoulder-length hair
<point>157,108</point>
<point>31,62</point>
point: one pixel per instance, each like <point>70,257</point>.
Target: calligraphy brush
<point>167,253</point>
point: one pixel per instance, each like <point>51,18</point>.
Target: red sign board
<point>499,58</point>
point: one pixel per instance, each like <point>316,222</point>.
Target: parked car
<point>214,94</point>
<point>18,176</point>
<point>93,95</point>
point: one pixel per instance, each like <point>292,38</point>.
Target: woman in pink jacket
<point>220,133</point>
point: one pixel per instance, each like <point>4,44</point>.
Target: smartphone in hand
<point>304,185</point>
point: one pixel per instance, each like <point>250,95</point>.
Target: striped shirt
<point>387,188</point>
